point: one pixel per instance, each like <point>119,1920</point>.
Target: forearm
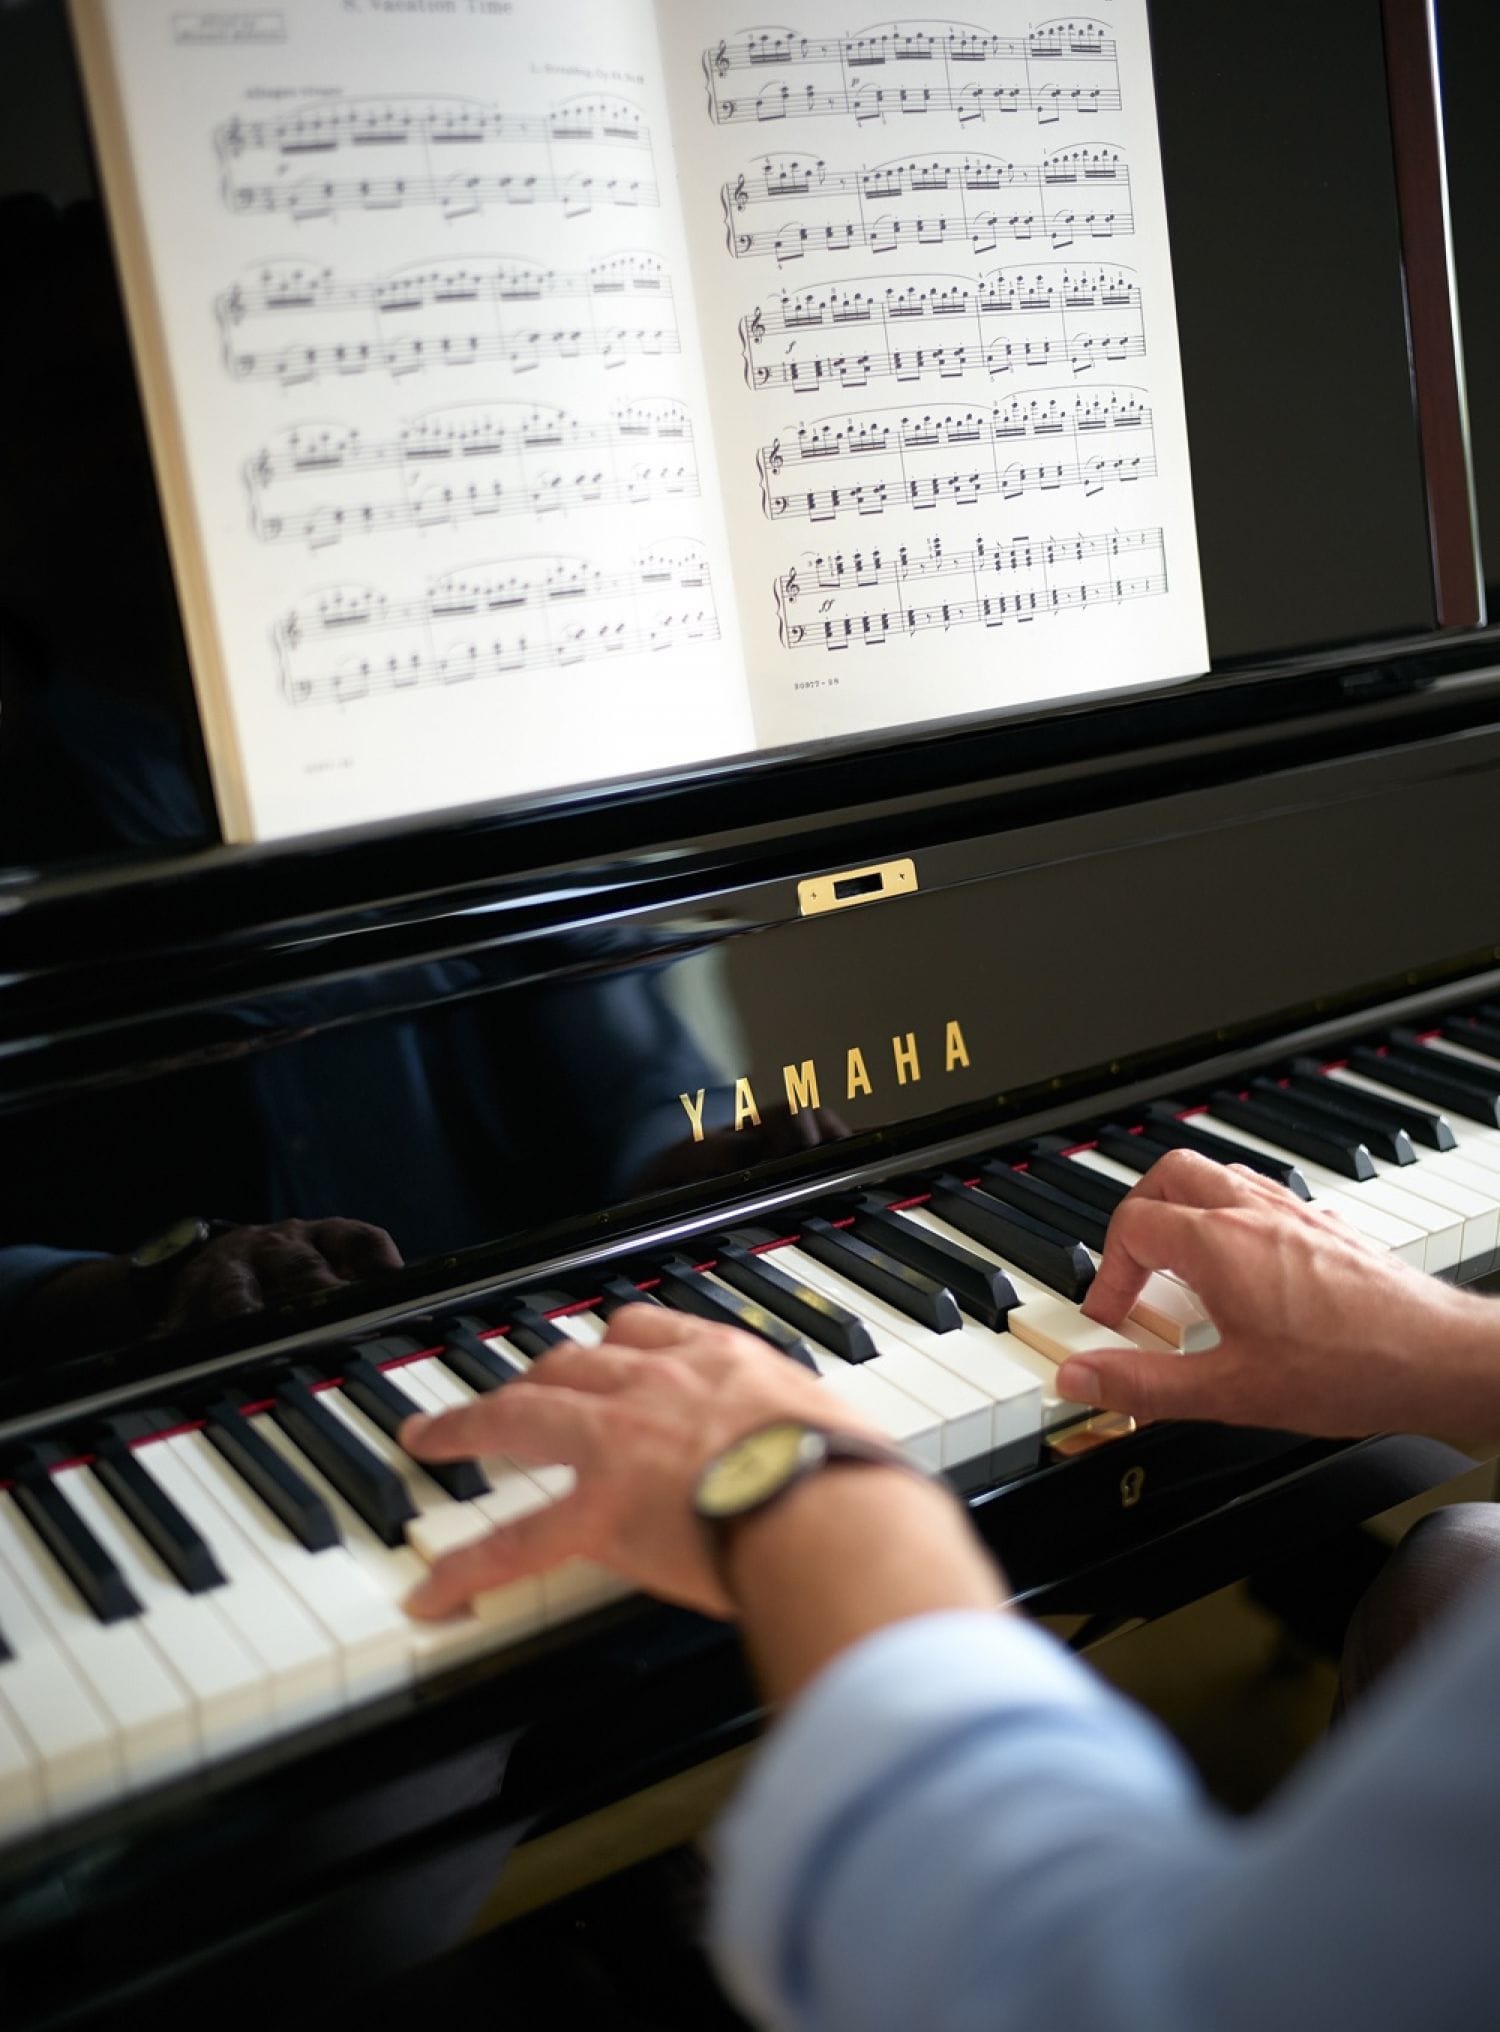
<point>841,1555</point>
<point>1455,1373</point>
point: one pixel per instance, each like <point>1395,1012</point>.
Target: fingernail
<point>1078,1382</point>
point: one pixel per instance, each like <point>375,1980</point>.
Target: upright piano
<point>490,1073</point>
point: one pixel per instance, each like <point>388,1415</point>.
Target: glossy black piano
<point>858,1045</point>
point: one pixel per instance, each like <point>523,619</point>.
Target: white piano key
<point>927,1365</point>
<point>148,1705</point>
<point>299,1657</point>
<point>74,1736</point>
<point>228,1684</point>
<point>1107,1167</point>
<point>23,1798</point>
<point>1410,1228</point>
<point>369,1633</point>
<point>1445,1186</point>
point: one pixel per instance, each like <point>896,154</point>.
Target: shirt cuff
<point>876,1706</point>
<point>26,1265</point>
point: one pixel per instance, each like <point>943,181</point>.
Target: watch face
<point>183,1234</point>
<point>754,1468</point>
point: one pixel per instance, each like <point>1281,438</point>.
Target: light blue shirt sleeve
<point>959,1828</point>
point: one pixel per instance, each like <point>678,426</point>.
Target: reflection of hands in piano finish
<point>941,327</point>
<point>456,154</point>
<point>404,323</point>
<point>535,614</point>
<point>1073,194</point>
<point>825,602</point>
<point>1034,445</point>
<point>903,72</point>
<point>517,459</point>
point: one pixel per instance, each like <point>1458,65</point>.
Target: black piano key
<point>387,1406</point>
<point>1045,1201</point>
<point>73,1545</point>
<point>1320,1101</point>
<point>884,1276</point>
<point>808,1311</point>
<point>273,1478</point>
<point>175,1539</point>
<point>1478,1033</point>
<point>1413,1069</point>
<point>686,1289</point>
<point>1424,1127</point>
<point>7,1651</point>
<point>482,1364</point>
<point>1277,1119</point>
<point>1125,1146</point>
<point>617,1291</point>
<point>364,1481</point>
<point>531,1331</point>
<point>1059,1261</point>
<point>983,1290</point>
<point>1079,1181</point>
<point>1163,1124</point>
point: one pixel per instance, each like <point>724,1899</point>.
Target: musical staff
<point>409,317</point>
<point>894,73</point>
<point>506,159</point>
<point>516,459</point>
<point>1075,193</point>
<point>942,327</point>
<point>960,457</point>
<point>523,616</point>
<point>1016,579</point>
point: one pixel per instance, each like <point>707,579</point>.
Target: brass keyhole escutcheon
<point>1131,1484</point>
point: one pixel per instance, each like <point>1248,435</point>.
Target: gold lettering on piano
<point>801,1085</point>
<point>1132,1482</point>
<point>745,1109</point>
<point>801,1080</point>
<point>904,1051</point>
<point>695,1113</point>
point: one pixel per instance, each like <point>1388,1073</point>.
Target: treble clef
<point>721,59</point>
<point>789,585</point>
<point>774,459</point>
<point>757,325</point>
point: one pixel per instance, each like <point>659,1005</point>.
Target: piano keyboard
<point>169,1598</point>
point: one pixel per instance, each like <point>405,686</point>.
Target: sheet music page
<point>426,393</point>
<point>933,277</point>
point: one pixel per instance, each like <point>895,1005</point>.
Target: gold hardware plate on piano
<point>821,893</point>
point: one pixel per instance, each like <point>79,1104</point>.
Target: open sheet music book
<point>552,390</point>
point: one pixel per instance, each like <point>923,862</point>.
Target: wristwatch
<point>156,1262</point>
<point>752,1472</point>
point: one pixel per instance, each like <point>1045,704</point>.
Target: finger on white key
<point>147,1704</point>
<point>396,1570</point>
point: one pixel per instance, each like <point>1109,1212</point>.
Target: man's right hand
<point>1318,1333</point>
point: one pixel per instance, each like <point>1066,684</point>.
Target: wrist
<point>841,1555</point>
<point>1459,1383</point>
